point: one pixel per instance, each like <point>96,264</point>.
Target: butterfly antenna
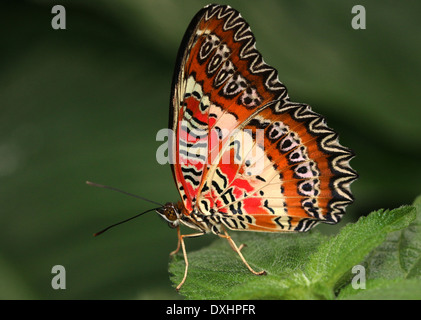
<point>121,191</point>
<point>116,224</point>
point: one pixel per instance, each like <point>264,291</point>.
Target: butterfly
<point>243,156</point>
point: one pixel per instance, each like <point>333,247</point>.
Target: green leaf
<point>335,257</point>
<point>385,289</point>
<point>410,245</point>
<point>298,266</point>
<point>216,272</point>
<point>399,256</point>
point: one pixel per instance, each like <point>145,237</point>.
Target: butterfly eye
<point>169,213</point>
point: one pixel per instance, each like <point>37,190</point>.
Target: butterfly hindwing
<point>286,172</point>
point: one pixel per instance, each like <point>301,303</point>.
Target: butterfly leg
<point>183,247</point>
<point>236,249</point>
<point>172,253</point>
<point>231,243</point>
<point>241,247</point>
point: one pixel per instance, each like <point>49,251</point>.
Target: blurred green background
<point>85,103</point>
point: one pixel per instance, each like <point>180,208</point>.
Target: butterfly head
<point>170,213</point>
